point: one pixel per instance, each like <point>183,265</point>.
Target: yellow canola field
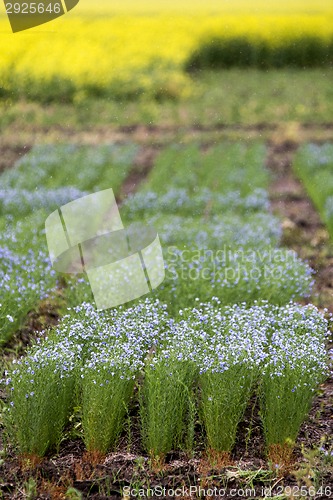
<point>131,53</point>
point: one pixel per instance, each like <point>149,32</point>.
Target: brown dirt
<point>142,166</point>
<point>45,316</point>
<point>9,154</point>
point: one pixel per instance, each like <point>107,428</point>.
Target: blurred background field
<point>127,50</point>
<point>201,117</point>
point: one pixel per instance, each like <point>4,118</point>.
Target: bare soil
<point>9,154</point>
<point>143,164</point>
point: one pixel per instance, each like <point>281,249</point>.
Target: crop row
<point>203,368</point>
<point>221,246</point>
<point>50,176</point>
<point>223,168</point>
<point>84,168</point>
<point>206,342</point>
<point>25,273</point>
<point>218,236</point>
<point>43,180</point>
